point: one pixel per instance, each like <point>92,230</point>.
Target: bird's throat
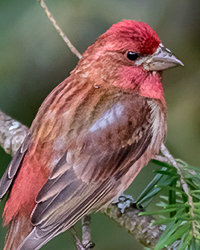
<point>146,83</point>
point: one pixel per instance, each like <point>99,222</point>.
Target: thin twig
<point>86,232</point>
<point>61,33</point>
<point>160,158</point>
<point>79,245</point>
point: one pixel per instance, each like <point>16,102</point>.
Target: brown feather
<point>18,230</point>
<point>13,167</point>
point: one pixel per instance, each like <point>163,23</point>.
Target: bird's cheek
<point>130,77</point>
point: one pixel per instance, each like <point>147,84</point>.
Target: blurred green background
<point>34,59</point>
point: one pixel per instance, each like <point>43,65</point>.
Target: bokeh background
<point>34,59</point>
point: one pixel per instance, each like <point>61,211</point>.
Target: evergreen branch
<point>183,183</point>
<point>185,186</point>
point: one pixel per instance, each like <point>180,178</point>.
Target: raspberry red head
<point>133,35</point>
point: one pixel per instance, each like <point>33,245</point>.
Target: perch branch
<point>139,226</point>
<point>12,133</point>
<point>79,245</point>
<point>86,232</point>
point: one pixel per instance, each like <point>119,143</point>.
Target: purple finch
<point>90,138</point>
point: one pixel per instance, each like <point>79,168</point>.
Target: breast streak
<point>158,128</point>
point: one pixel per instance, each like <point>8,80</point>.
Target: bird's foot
<point>126,201</point>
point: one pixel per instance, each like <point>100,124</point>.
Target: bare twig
<point>64,37</point>
<point>79,245</point>
<point>86,232</point>
<point>160,158</point>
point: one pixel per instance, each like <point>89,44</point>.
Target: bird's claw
<point>126,201</point>
<point>123,202</point>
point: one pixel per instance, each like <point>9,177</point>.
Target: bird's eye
<point>132,55</point>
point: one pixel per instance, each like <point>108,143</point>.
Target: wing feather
<point>13,167</point>
<point>81,181</point>
<point>65,199</point>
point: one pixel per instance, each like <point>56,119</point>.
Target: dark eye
<point>132,55</point>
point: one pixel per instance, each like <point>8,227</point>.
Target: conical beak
<point>160,60</point>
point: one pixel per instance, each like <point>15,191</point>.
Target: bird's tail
<point>18,228</point>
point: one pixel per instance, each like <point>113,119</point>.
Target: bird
<point>90,138</point>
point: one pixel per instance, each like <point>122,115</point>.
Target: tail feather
<point>18,228</point>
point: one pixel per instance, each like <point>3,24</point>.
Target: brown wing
<point>13,167</point>
<point>88,175</point>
